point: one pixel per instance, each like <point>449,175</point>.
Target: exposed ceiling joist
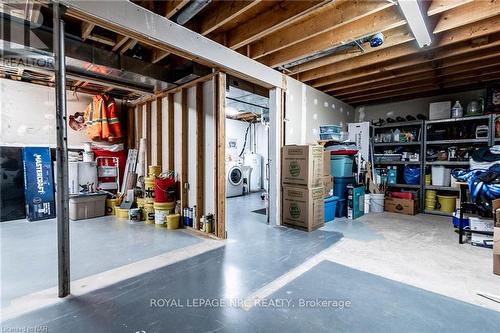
<point>222,13</point>
<point>466,14</point>
<point>159,55</point>
<point>173,6</point>
<point>128,45</point>
<point>119,42</point>
<point>380,21</point>
<point>87,29</point>
<point>314,27</point>
<point>280,15</point>
<point>439,6</point>
<point>101,39</point>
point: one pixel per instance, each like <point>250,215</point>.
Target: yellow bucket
<point>430,203</point>
<point>428,179</point>
<point>149,213</point>
<point>162,210</point>
<point>149,189</point>
<point>154,170</point>
<point>121,212</point>
<point>110,206</point>
<point>447,203</point>
<point>430,194</point>
<point>173,221</point>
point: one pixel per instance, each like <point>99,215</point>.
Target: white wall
<point>414,106</point>
<point>307,108</point>
<point>28,111</point>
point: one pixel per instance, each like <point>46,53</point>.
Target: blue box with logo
<point>38,184</point>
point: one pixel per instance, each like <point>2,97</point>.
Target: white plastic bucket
<point>441,176</point>
<point>377,203</point>
<point>367,203</point>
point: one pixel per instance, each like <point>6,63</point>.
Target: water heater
<point>254,161</point>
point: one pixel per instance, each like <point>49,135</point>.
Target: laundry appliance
<point>234,179</point>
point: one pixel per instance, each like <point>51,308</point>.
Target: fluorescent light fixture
<point>415,20</point>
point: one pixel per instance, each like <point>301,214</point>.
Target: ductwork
<point>191,10</point>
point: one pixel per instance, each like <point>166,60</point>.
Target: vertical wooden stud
<point>159,132</point>
<point>220,130</point>
<point>148,134</point>
<point>171,135</point>
<point>139,124</point>
<point>131,128</point>
<point>200,152</point>
<point>184,148</point>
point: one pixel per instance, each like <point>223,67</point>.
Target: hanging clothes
<point>101,120</point>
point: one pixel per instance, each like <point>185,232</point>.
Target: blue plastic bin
<point>341,165</point>
<point>340,186</point>
<point>330,207</point>
<point>341,210</point>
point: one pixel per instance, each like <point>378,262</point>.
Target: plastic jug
<point>457,111</point>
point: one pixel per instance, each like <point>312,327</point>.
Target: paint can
<point>140,204</point>
<point>121,212</point>
<point>173,221</point>
<point>149,213</point>
<point>149,189</point>
<point>110,206</point>
<point>162,210</point>
<point>202,223</point>
<point>134,214</point>
<point>154,171</point>
<point>164,189</point>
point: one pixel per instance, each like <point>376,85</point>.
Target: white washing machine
<point>234,180</point>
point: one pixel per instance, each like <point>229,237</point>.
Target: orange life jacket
<point>101,119</point>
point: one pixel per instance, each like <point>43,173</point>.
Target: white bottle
<point>396,135</point>
<point>457,111</point>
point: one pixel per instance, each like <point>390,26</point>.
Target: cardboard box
<point>355,201</point>
<point>403,206</point>
<point>303,165</point>
<point>326,163</point>
<point>440,110</point>
<point>303,207</point>
<point>496,212</point>
<point>496,251</point>
<point>38,184</point>
<point>327,184</point>
<point>481,225</point>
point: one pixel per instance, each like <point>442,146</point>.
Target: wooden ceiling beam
<point>128,45</point>
<point>381,21</point>
<point>280,15</point>
<point>415,64</point>
<point>86,29</point>
<point>223,12</point>
<point>467,14</point>
<point>120,40</point>
<point>173,6</point>
<point>423,78</point>
<point>439,6</point>
<point>101,39</point>
<point>159,55</point>
<point>329,74</point>
<point>393,37</point>
<point>322,26</point>
<point>467,82</point>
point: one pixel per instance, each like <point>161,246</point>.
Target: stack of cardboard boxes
<point>302,182</point>
<point>496,237</point>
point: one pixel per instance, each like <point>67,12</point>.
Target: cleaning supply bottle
<point>457,111</point>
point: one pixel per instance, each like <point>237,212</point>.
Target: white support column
<point>275,143</point>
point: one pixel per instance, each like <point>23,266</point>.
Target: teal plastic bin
<point>330,208</point>
<point>341,165</point>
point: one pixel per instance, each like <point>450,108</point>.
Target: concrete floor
<point>413,257</point>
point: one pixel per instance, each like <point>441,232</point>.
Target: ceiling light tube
<point>415,19</point>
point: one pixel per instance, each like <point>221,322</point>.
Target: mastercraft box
<point>355,201</point>
<point>303,207</point>
<point>38,184</point>
<point>303,165</point>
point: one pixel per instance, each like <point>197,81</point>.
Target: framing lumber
<point>184,149</point>
<point>200,152</point>
<point>439,6</point>
<point>467,14</point>
<point>159,132</point>
<point>415,64</point>
<point>329,74</point>
<point>158,32</point>
<point>220,144</point>
<point>87,28</point>
<point>170,132</point>
<point>120,40</point>
<point>222,13</point>
<point>159,55</point>
<point>140,110</point>
<point>130,128</point>
<point>148,134</point>
<point>101,39</point>
<point>173,6</point>
<point>128,45</point>
<point>379,22</point>
<point>280,15</point>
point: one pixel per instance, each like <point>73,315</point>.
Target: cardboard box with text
<point>303,207</point>
<point>303,165</point>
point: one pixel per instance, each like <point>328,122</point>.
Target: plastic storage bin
<point>87,206</point>
<point>330,208</point>
<point>340,186</point>
<point>341,165</point>
<point>441,176</point>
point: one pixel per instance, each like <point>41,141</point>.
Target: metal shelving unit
<point>397,144</point>
<point>476,142</point>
